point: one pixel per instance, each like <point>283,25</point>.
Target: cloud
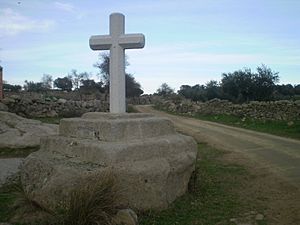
<point>13,23</point>
<point>69,8</point>
<point>64,6</point>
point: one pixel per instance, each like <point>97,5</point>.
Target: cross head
<point>117,41</point>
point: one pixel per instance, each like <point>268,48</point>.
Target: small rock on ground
<point>248,218</point>
<point>259,217</point>
<point>126,217</point>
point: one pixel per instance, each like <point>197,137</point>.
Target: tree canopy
<point>164,90</point>
<point>89,86</point>
<point>44,85</point>
<point>34,86</point>
<point>244,85</point>
<point>47,81</point>
<point>65,83</point>
<point>239,86</point>
<point>77,78</point>
<point>133,88</point>
<point>11,88</point>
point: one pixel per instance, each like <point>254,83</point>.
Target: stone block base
<point>151,171</point>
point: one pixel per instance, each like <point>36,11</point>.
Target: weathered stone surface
<point>48,178</point>
<point>8,168</point>
<point>105,153</point>
<point>61,101</point>
<point>3,107</point>
<point>18,132</point>
<point>151,171</point>
<point>114,128</point>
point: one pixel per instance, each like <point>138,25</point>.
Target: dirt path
<point>280,155</point>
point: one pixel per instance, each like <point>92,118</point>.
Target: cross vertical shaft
<point>117,91</point>
<point>117,41</point>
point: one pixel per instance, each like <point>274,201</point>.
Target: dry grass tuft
<point>94,202</point>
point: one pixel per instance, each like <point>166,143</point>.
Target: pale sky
<point>187,42</point>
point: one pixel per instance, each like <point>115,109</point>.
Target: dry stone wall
<point>72,95</point>
<point>276,110</point>
<point>63,104</point>
<point>39,105</point>
<point>52,107</point>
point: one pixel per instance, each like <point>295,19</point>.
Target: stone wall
<point>276,110</point>
<point>63,104</point>
<point>73,95</point>
<point>52,106</point>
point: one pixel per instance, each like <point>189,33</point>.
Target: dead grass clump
<point>94,202</point>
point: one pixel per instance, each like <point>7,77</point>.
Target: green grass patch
<point>289,129</point>
<point>7,199</point>
<point>51,120</point>
<point>214,199</point>
<point>16,152</point>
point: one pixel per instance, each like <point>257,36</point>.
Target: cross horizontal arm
<point>100,42</point>
<point>129,41</point>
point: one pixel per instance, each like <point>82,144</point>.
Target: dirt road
<point>277,154</point>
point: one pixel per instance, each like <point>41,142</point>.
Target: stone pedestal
<point>152,162</point>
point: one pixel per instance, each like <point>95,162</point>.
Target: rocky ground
<point>19,132</point>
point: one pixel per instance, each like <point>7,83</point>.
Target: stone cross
<point>117,41</point>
